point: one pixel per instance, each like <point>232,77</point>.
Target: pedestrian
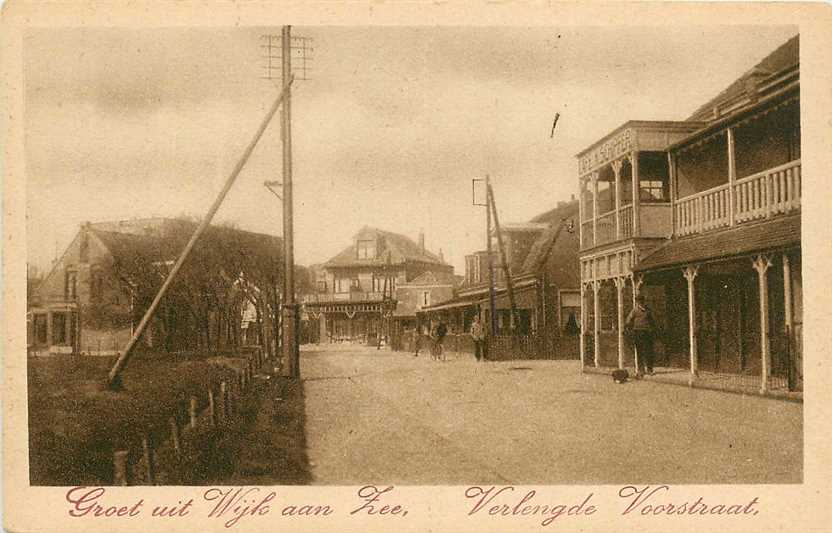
<point>642,328</point>
<point>418,339</point>
<point>478,336</point>
<point>441,331</point>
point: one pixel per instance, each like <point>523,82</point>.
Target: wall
<point>703,167</point>
<point>766,142</point>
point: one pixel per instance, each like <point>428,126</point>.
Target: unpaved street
<point>381,416</point>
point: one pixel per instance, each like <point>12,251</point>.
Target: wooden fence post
<point>192,412</point>
<point>148,459</point>
<point>120,467</point>
<point>212,408</point>
<point>223,401</point>
<point>174,434</point>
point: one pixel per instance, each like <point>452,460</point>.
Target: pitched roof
<point>399,248</point>
<point>432,278</point>
<point>542,247</point>
<point>785,56</point>
<point>741,240</point>
<point>162,239</point>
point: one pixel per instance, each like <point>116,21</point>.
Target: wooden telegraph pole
<point>492,296</point>
<point>291,349</point>
<point>113,378</point>
<point>503,259</point>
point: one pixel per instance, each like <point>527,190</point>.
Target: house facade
<point>701,216</point>
<point>542,259</point>
<point>359,291</point>
<point>98,290</point>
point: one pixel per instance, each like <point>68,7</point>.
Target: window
<point>425,301</point>
<point>654,177</point>
<point>321,286</point>
<point>366,249</point>
<point>654,191</point>
<point>70,285</point>
<point>355,284</point>
<point>96,286</point>
<point>378,283</point>
<point>40,328</point>
<point>342,285</point>
<point>58,328</point>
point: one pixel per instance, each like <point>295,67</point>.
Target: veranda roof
<point>746,239</point>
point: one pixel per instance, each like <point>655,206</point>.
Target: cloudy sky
<point>390,130</point>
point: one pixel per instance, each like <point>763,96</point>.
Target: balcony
<point>765,194</point>
<point>343,297</point>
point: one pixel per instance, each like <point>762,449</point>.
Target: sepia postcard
<point>416,267</point>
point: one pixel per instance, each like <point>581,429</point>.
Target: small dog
<point>620,376</point>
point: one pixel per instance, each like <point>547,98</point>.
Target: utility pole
<point>492,297</point>
<point>114,377</point>
<point>291,349</point>
<point>504,259</point>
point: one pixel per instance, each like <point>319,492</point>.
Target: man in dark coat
<point>643,328</point>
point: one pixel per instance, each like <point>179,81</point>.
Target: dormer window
<point>366,249</point>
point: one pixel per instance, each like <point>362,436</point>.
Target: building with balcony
<point>702,216</point>
<point>358,290</point>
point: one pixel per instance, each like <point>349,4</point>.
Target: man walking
<point>640,322</point>
<point>478,336</point>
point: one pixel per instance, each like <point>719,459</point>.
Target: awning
<point>745,239</point>
<point>458,302</point>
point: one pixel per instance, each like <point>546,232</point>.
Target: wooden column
<point>581,340</point>
<point>636,195</point>
<point>732,175</point>
<point>671,169</point>
<point>761,264</point>
<point>788,319</point>
<point>637,280</point>
<point>594,208</point>
<point>619,292</point>
<point>616,168</point>
<point>596,327</point>
<point>690,273</point>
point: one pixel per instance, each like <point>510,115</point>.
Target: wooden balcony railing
<point>761,195</point>
<point>587,239</point>
<point>353,296</point>
<point>605,226</point>
<point>626,221</point>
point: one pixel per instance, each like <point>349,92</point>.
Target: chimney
<point>441,256</point>
<point>571,197</point>
<point>422,239</point>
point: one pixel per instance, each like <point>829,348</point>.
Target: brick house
<point>100,286</point>
<point>358,290</point>
<point>542,259</point>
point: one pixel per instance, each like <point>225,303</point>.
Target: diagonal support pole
<point>113,379</point>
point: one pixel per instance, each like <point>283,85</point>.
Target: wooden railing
<point>774,191</point>
<point>625,215</point>
<point>587,240</point>
<point>353,296</point>
<point>761,195</point>
<point>605,226</point>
